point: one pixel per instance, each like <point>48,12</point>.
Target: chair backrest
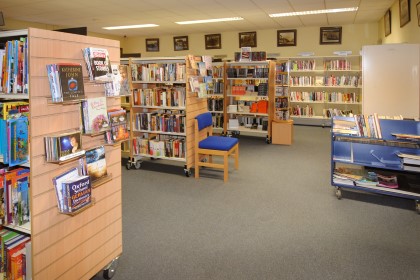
<point>204,120</point>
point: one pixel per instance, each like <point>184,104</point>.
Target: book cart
<point>356,156</point>
<point>248,87</point>
<point>163,108</point>
<point>68,246</point>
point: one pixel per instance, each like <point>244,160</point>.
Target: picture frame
<point>152,45</point>
<point>387,22</point>
<point>180,43</point>
<point>330,35</point>
<point>248,39</point>
<point>418,13</point>
<point>213,41</point>
<point>404,12</point>
<point>286,38</point>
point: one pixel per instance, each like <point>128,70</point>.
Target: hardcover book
<point>95,116</point>
<point>96,163</point>
<point>71,81</point>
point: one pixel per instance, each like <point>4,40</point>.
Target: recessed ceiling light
<point>209,20</point>
<point>130,26</point>
<point>315,12</point>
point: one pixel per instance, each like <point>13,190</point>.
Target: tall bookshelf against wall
<point>163,109</point>
<point>321,87</point>
<point>64,246</point>
<point>249,94</point>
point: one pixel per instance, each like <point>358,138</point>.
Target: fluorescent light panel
<point>209,20</point>
<point>130,26</point>
<point>315,12</point>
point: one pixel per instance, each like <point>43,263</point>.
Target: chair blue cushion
<point>204,120</point>
<point>218,143</point>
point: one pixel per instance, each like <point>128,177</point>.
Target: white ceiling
<point>95,14</point>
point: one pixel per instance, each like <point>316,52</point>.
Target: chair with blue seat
<point>207,146</point>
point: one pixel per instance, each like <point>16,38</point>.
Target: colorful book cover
<point>71,81</point>
<point>2,205</point>
<point>118,124</point>
<point>95,116</point>
<point>99,64</point>
<point>58,183</point>
<point>69,144</point>
<point>78,193</point>
<point>19,152</point>
<point>96,163</point>
<point>23,214</point>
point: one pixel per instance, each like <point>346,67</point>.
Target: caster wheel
<point>338,193</point>
<point>128,165</point>
<point>137,165</point>
<point>418,207</point>
<point>187,173</point>
<point>109,272</point>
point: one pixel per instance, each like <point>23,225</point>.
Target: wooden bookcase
<point>216,99</point>
<point>63,246</point>
<point>193,107</point>
<point>243,76</point>
<point>323,86</point>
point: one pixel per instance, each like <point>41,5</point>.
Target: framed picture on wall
<point>404,12</point>
<point>152,45</point>
<point>286,38</point>
<point>213,41</point>
<point>181,43</point>
<point>248,39</point>
<point>418,13</point>
<point>330,35</point>
<point>387,22</point>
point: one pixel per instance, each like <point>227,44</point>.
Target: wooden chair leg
<point>226,167</point>
<point>210,158</point>
<point>196,166</point>
<point>237,157</point>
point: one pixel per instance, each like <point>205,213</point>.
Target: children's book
<point>96,163</point>
<point>18,139</point>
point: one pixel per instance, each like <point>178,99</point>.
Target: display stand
<point>68,247</point>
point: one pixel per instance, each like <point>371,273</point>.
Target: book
<point>77,193</point>
<point>118,123</point>
<point>96,163</point>
<point>66,81</point>
<point>98,64</point>
<point>18,139</point>
<point>58,184</point>
<point>63,147</point>
<point>95,115</point>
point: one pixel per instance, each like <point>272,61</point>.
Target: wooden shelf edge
<point>102,181</point>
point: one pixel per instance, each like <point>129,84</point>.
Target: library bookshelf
<point>247,86</point>
<point>63,246</point>
<point>163,108</point>
<point>323,86</point>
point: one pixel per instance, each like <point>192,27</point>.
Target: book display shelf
<point>216,99</point>
<point>67,246</point>
<point>324,86</point>
<point>384,160</point>
<point>249,95</point>
<point>163,107</point>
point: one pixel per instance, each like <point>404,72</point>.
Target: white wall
<point>353,38</point>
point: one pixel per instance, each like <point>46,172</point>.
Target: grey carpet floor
<point>276,218</point>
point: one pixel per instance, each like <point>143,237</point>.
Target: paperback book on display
<point>96,163</point>
<point>95,115</point>
<point>98,64</point>
<point>66,81</point>
<point>63,146</point>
